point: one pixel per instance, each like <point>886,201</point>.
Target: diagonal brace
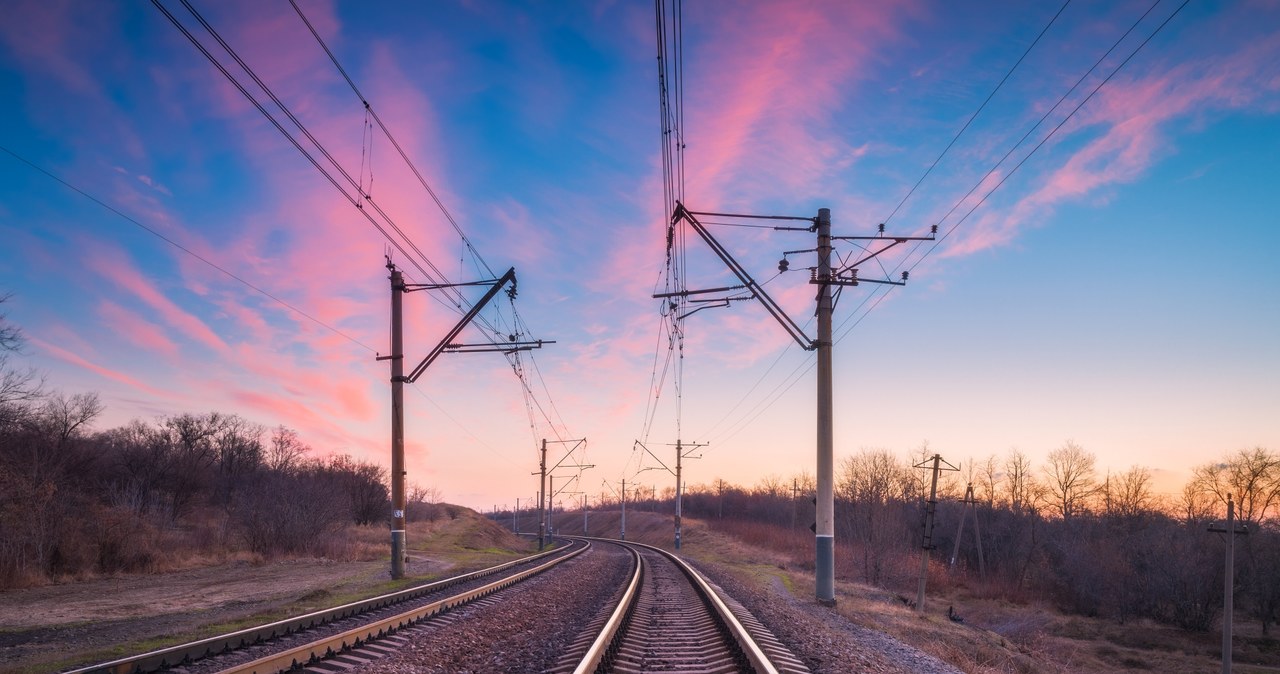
<point>510,276</point>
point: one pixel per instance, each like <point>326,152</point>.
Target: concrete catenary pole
<point>624,509</point>
<point>679,453</point>
<point>397,426</point>
<point>1228,587</point>
<point>542,498</point>
<point>926,543</point>
<point>825,521</point>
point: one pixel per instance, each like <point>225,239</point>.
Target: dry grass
<point>996,637</point>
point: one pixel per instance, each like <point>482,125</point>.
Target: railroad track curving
<point>623,607</point>
<point>353,623</point>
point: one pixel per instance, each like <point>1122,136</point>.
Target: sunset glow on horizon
<point>1119,290</point>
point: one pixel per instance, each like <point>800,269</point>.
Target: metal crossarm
<point>771,306</point>
<point>510,276</point>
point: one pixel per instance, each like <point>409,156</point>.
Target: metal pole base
<point>397,555</point>
<point>825,568</point>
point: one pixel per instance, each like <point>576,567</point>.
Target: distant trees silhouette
<point>1098,545</point>
<point>74,501</point>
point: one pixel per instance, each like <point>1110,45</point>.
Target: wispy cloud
<point>105,372</point>
<point>1130,126</point>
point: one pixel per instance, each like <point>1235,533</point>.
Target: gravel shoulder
<point>826,639</point>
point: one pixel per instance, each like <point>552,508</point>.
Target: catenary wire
<point>188,251</point>
<point>1050,135</point>
<point>976,112</point>
<point>294,141</point>
<point>387,132</point>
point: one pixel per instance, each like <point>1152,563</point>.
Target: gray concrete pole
<point>825,529</point>
<point>624,509</point>
<point>1228,599</point>
<point>679,451</point>
<point>398,549</point>
<point>542,498</point>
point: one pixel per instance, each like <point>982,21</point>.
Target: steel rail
<point>181,653</point>
<point>600,647</point>
<point>316,650</point>
<point>742,639</point>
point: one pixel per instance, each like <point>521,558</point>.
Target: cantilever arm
<point>738,270</point>
<point>510,276</point>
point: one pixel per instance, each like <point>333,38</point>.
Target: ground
<point>64,625</point>
<point>79,623</point>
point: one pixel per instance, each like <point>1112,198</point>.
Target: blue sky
<point>1119,290</point>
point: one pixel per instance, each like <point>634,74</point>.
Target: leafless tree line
<point>1097,543</point>
<point>75,501</point>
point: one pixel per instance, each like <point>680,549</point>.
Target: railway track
<point>670,619</point>
<point>352,622</point>
<point>621,607</point>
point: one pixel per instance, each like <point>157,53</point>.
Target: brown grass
<point>997,636</point>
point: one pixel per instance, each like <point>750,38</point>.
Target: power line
<point>387,132</point>
<point>356,202</point>
<point>435,275</point>
<point>517,323</point>
<point>1051,134</point>
<point>188,251</point>
<point>976,112</point>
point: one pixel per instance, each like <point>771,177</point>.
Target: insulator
<point>783,264</point>
<point>905,274</point>
<point>933,230</point>
<point>882,228</point>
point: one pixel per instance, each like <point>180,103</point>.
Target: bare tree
<point>771,485</point>
<point>805,482</point>
<point>1021,489</point>
<point>875,482</point>
<point>989,478</point>
<point>16,385</point>
<point>420,494</point>
<point>1070,481</point>
<point>1128,494</point>
<point>1194,505</point>
<point>285,450</point>
<point>1252,475</point>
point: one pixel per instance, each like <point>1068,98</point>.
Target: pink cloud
<point>527,241</point>
<point>1130,119</point>
<point>115,268</point>
<point>756,90</point>
<point>69,357</point>
<point>136,329</point>
<point>42,35</point>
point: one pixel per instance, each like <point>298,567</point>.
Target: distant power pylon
<point>544,517</point>
<point>970,502</point>
<point>930,508</point>
<point>683,451</point>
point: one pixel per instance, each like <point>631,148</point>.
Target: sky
<point>1118,290</point>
